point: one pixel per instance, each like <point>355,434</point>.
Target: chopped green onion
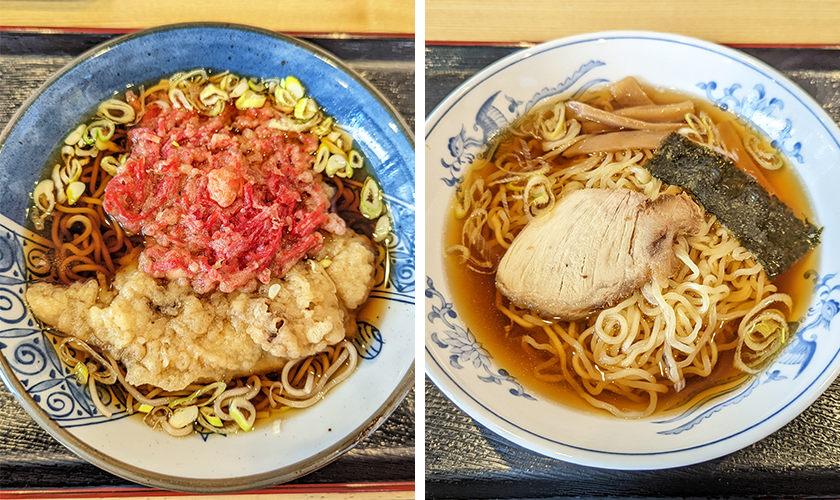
<point>218,387</point>
<point>294,87</point>
<point>321,158</point>
<point>80,371</point>
<point>212,94</point>
<point>211,417</point>
<point>106,146</point>
<point>179,100</point>
<point>217,109</point>
<point>284,100</point>
<point>100,130</point>
<point>74,191</point>
<point>335,164</point>
<point>86,152</point>
<point>305,108</point>
<point>75,136</point>
<point>109,164</point>
<point>229,82</point>
<point>273,290</point>
<point>72,171</point>
<point>355,159</point>
<point>325,263</point>
<point>371,205</point>
<point>195,77</point>
<point>144,408</point>
<point>68,152</point>
<point>44,196</point>
<point>59,184</point>
<point>382,229</point>
<point>183,417</point>
<point>250,99</point>
<point>117,111</point>
<point>256,86</point>
<point>342,139</point>
<point>245,423</point>
<point>175,143</point>
<point>271,84</point>
<point>323,128</point>
<point>239,89</point>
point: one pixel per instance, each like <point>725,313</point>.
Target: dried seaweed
<point>763,225</point>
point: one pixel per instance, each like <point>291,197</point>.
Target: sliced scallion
<point>246,423</point>
<point>211,417</point>
<point>117,111</point>
<point>74,191</point>
<point>305,108</point>
<point>335,164</point>
<point>217,387</point>
<point>44,196</point>
<point>71,172</point>
<point>179,100</point>
<point>323,128</point>
<point>75,136</point>
<point>100,130</point>
<point>80,371</point>
<point>194,77</point>
<point>229,82</point>
<point>212,94</point>
<point>321,158</point>
<point>370,204</point>
<point>294,87</point>
<point>239,89</point>
<point>183,417</point>
<point>382,229</point>
<point>59,185</point>
<point>110,165</point>
<point>284,100</point>
<point>355,159</point>
<point>250,99</point>
<point>256,86</point>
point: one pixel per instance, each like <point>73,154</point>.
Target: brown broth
<point>474,297</point>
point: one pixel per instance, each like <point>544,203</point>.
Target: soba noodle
<point>654,341</point>
<point>86,243</point>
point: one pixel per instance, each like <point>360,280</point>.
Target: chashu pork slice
<point>595,248</point>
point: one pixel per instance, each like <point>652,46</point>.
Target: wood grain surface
<point>463,459</point>
<point>367,17</point>
<point>31,458</point>
<point>765,22</point>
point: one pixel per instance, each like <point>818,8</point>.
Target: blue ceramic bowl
<point>124,446</point>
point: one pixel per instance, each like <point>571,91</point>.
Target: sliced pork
<point>595,248</point>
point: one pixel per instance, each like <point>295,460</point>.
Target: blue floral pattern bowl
<point>466,371</point>
<point>275,452</point>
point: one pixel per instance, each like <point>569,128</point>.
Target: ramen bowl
<point>275,450</point>
<point>468,371</point>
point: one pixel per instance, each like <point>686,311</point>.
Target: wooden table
<point>463,459</point>
<point>742,22</point>
<point>30,459</point>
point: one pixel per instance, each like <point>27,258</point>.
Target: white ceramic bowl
<point>466,371</point>
<point>274,452</point>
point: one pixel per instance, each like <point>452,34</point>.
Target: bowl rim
<point>197,485</point>
<point>501,426</point>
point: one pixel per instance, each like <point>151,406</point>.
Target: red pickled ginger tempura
<point>223,201</point>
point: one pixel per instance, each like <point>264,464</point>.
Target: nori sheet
<point>763,225</point>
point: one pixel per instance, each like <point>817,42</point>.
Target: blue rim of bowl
<point>170,482</point>
<point>601,458</point>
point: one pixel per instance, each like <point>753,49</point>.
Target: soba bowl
<point>467,371</point>
<point>276,451</point>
